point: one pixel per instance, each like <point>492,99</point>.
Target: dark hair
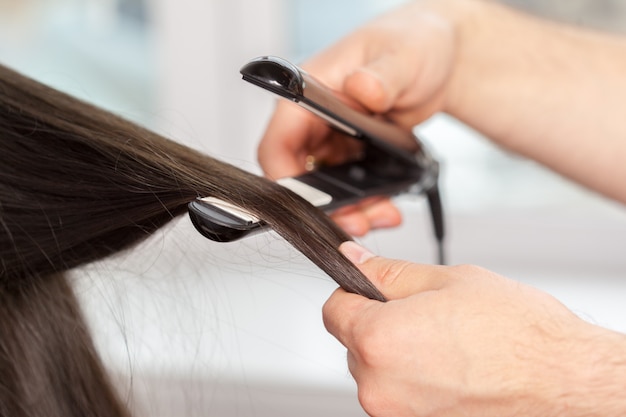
<point>77,184</point>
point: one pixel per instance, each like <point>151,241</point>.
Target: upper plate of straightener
<point>287,80</point>
<point>275,74</point>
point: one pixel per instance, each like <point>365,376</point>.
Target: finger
<point>394,278</point>
<point>358,220</point>
<point>353,222</point>
<point>378,84</point>
<point>382,214</point>
<point>290,134</point>
<point>353,365</point>
<point>341,313</point>
<point>335,148</point>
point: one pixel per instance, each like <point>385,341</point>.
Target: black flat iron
<point>393,160</point>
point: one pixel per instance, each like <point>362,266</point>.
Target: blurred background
<point>192,327</point>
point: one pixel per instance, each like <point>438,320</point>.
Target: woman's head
<point>78,184</point>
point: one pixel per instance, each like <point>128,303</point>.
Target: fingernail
<point>356,253</point>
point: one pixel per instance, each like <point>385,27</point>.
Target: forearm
<point>547,91</point>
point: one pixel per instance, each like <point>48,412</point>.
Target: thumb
<point>378,84</point>
<point>394,278</point>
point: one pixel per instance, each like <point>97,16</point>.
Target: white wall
<point>201,45</point>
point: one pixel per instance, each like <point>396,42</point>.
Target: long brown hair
<point>77,184</point>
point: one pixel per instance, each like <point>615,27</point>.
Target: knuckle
<point>391,272</point>
<point>328,310</point>
<point>372,343</point>
<point>372,399</point>
<point>468,270</point>
<point>368,398</point>
<point>331,311</point>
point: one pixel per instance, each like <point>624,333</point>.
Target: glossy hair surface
<point>78,184</point>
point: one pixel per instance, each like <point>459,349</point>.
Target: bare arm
<point>551,92</point>
<point>463,341</point>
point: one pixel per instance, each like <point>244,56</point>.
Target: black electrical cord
<point>436,212</point>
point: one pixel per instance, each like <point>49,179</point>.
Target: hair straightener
<point>393,160</point>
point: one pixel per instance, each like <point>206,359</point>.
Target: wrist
<point>575,370</point>
<point>473,22</point>
<point>535,86</point>
<point>597,378</point>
